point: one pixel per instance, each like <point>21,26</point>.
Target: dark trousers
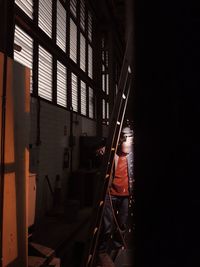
<point>109,234</point>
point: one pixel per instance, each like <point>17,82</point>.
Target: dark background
<point>166,115</point>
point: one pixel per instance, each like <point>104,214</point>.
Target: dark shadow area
<point>166,114</point>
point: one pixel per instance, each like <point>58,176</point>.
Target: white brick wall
<point>50,152</point>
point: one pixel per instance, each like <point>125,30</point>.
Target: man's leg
<point>122,218</point>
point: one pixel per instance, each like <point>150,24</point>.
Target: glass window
<point>73,41</point>
<point>45,74</point>
<point>83,98</point>
<point>74,92</point>
<point>26,6</point>
<point>61,84</point>
<point>25,56</point>
<point>61,26</point>
<point>45,16</point>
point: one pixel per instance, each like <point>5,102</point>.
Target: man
<point>114,221</point>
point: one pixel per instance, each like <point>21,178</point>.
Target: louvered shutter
<point>107,110</point>
<point>45,16</point>
<point>73,7</point>
<point>103,82</point>
<point>74,92</point>
<point>103,109</point>
<point>90,26</point>
<point>91,103</point>
<point>82,52</point>
<point>107,84</point>
<point>61,26</point>
<point>82,14</point>
<point>25,56</point>
<point>73,41</point>
<point>83,98</point>
<point>61,84</point>
<point>26,6</point>
<point>90,62</point>
<point>45,74</point>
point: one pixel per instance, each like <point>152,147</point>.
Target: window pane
<point>73,41</point>
<point>103,82</point>
<point>83,99</point>
<point>45,16</point>
<point>26,6</point>
<point>103,109</point>
<point>73,7</point>
<point>82,52</point>
<point>25,56</point>
<point>82,14</point>
<point>90,26</point>
<point>61,26</point>
<point>107,84</point>
<point>90,62</point>
<point>74,92</point>
<point>61,84</point>
<point>45,74</point>
<point>91,103</point>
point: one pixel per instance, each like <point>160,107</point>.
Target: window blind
<point>90,62</point>
<point>91,103</point>
<point>83,98</point>
<point>74,92</point>
<point>103,82</point>
<point>82,52</point>
<point>61,26</point>
<point>90,26</point>
<point>82,14</point>
<point>73,41</point>
<point>26,6</point>
<point>61,84</point>
<point>45,74</point>
<point>73,7</point>
<point>107,110</point>
<point>45,16</point>
<point>107,84</point>
<point>103,109</point>
<point>25,56</point>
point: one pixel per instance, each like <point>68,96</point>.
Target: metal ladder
<point>115,126</point>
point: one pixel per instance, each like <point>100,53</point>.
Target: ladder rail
<point>115,125</point>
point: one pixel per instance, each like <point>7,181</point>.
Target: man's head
<point>126,139</point>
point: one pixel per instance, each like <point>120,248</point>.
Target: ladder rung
<point>95,230</point>
<point>89,258</point>
<point>107,176</point>
<point>101,203</point>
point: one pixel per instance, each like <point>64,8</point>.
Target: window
<point>82,14</point>
<point>103,108</point>
<point>73,41</point>
<point>90,26</point>
<point>107,111</point>
<point>83,98</point>
<point>61,84</point>
<point>61,26</point>
<point>73,7</point>
<point>45,74</point>
<point>82,52</point>
<point>25,56</point>
<point>26,6</point>
<point>74,92</point>
<point>45,16</point>
<point>90,62</point>
<point>107,84</point>
<point>91,103</point>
